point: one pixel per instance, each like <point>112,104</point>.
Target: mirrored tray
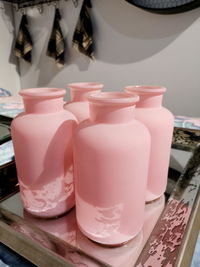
<point>171,223</point>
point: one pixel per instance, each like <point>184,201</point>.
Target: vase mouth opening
<point>113,98</point>
<point>42,92</point>
<point>80,86</point>
<point>145,89</point>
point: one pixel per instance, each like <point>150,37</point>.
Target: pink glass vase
<point>159,121</point>
<point>110,168</point>
<point>42,139</point>
<point>79,105</point>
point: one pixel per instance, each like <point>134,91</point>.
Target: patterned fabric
<point>23,45</point>
<point>187,122</point>
<point>56,45</point>
<point>6,153</point>
<point>4,92</point>
<point>11,109</point>
<point>83,35</point>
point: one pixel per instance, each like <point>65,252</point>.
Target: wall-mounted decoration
<point>166,6</point>
<point>82,38</point>
<point>23,44</point>
<point>56,45</point>
<point>83,34</point>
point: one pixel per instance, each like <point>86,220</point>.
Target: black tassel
<point>56,45</point>
<point>83,34</point>
<point>23,44</point>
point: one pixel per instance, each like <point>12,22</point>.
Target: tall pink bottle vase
<point>79,105</point>
<point>160,122</point>
<point>111,159</point>
<point>42,138</point>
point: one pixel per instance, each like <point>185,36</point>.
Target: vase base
<point>153,200</point>
<point>112,245</point>
<point>57,212</point>
<point>42,217</point>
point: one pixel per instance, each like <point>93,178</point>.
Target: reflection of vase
<point>116,256</point>
<point>42,138</point>
<point>64,227</point>
<point>159,121</point>
<point>111,169</point>
<point>79,105</point>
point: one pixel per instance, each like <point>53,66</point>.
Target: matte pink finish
<point>110,168</point>
<point>42,138</point>
<point>160,123</point>
<point>79,105</point>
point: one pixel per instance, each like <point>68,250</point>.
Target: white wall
<point>132,47</point>
<point>9,78</point>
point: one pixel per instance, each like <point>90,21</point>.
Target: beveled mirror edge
<point>178,211</point>
<point>189,241</point>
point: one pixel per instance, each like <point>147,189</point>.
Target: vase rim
<point>79,86</point>
<point>113,98</point>
<point>154,89</point>
<point>43,92</point>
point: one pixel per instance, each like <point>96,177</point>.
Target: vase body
<point>160,123</point>
<point>79,104</point>
<point>42,139</point>
<point>110,169</point>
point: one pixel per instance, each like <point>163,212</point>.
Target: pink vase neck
<point>79,91</point>
<point>43,100</point>
<point>150,96</point>
<point>112,108</point>
<point>149,101</point>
